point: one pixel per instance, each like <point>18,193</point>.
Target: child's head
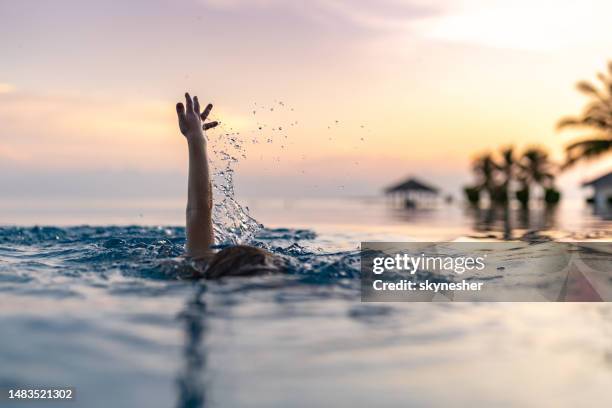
<point>242,260</point>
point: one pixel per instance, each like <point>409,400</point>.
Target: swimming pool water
<point>103,309</point>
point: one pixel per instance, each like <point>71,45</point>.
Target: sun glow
<point>545,26</point>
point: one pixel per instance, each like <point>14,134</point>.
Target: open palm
<point>191,120</point>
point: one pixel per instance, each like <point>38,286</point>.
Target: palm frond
<point>588,89</point>
<point>606,82</point>
<point>595,143</point>
<point>569,121</point>
<point>598,113</point>
<point>587,149</point>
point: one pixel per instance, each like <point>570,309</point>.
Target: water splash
<point>232,222</point>
<point>45,258</point>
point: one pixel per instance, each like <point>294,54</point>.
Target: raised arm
<point>199,227</point>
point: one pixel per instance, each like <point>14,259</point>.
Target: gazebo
<point>413,193</point>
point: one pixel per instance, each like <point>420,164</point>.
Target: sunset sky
<point>379,89</point>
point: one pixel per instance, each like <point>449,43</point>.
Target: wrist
<point>196,137</point>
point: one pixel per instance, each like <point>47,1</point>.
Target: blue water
<point>45,254</point>
<point>108,309</point>
<point>105,310</point>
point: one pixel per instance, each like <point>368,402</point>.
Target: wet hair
<point>243,260</point>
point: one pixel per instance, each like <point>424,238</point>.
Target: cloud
<point>543,25</point>
<point>71,130</point>
<point>12,155</point>
<point>380,14</point>
<point>6,88</point>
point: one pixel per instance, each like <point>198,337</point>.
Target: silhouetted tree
<point>495,175</point>
<point>597,116</point>
<point>506,168</point>
<point>485,169</point>
<point>535,167</point>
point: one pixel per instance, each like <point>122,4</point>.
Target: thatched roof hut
<point>411,184</point>
<point>413,193</point>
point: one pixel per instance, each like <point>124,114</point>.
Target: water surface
<point>104,309</point>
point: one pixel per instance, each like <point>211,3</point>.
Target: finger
<point>210,125</point>
<point>188,102</point>
<point>180,110</point>
<point>196,105</point>
<point>206,112</point>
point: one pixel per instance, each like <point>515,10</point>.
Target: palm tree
<point>597,115</point>
<point>485,169</point>
<point>495,175</point>
<point>506,167</point>
<point>535,167</point>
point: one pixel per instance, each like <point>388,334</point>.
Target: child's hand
<point>190,119</point>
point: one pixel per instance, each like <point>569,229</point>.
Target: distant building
<point>602,199</point>
<point>413,193</point>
